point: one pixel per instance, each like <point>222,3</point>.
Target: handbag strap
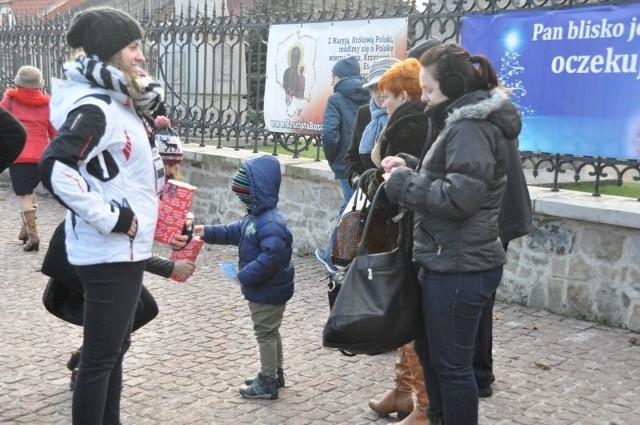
<point>362,250</point>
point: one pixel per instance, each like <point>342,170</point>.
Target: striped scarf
<point>101,74</point>
<point>240,186</point>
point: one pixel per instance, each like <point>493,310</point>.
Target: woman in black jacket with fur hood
<point>456,195</point>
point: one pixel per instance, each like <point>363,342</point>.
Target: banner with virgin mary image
<point>299,62</point>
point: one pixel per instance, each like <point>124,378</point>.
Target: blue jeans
<point>347,193</point>
<point>111,293</point>
<point>451,308</point>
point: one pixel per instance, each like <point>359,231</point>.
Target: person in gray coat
<point>455,193</point>
<point>337,126</point>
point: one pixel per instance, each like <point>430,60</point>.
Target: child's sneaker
<point>279,379</point>
<point>263,387</point>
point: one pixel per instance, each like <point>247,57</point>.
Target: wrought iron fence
<point>213,63</point>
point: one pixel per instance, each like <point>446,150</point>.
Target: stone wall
<point>582,260</point>
<point>309,197</point>
<point>578,269</point>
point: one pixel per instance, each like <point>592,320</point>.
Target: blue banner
<point>575,75</point>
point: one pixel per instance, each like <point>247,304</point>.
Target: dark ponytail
<point>456,72</point>
<point>488,76</point>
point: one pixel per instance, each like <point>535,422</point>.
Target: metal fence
<point>213,63</point>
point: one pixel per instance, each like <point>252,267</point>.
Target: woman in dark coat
<point>370,121</point>
<point>455,192</point>
<point>405,132</point>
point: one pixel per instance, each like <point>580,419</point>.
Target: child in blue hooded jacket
<point>265,271</point>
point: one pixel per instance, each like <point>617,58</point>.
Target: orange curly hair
<point>401,76</point>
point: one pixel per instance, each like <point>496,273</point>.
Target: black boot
<point>74,376</point>
<point>74,360</point>
<point>435,420</point>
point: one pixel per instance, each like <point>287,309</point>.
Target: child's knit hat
<point>167,141</point>
<point>240,186</point>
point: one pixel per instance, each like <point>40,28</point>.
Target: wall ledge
<point>606,209</point>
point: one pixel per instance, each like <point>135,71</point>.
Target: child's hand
<point>198,230</point>
<point>229,270</point>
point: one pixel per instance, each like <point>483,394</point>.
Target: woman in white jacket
<point>103,167</point>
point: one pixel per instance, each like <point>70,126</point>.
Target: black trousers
<point>483,356</point>
<point>146,310</point>
<point>112,292</point>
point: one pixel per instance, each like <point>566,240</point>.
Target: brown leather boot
<point>417,417</point>
<point>419,414</point>
<point>398,399</point>
<point>24,235</point>
<point>33,242</point>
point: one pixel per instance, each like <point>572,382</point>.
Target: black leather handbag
<point>64,302</point>
<point>333,288</point>
<point>64,295</point>
<point>378,307</point>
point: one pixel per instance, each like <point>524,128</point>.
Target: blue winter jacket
<point>264,242</point>
<point>339,120</point>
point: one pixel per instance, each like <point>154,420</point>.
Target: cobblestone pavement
<point>186,366</point>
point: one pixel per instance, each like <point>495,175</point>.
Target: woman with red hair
<point>406,133</point>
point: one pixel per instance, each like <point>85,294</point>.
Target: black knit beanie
<point>102,31</point>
